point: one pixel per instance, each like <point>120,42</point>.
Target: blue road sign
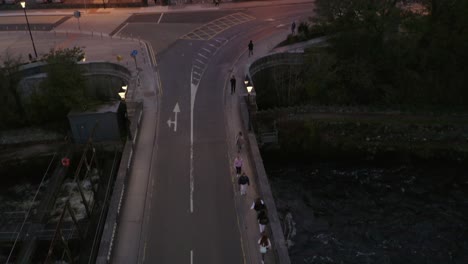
<point>134,53</point>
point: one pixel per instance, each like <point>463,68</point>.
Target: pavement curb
<point>112,220</point>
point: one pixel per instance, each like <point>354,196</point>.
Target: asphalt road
<point>193,217</point>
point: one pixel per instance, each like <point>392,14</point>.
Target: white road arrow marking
<point>169,121</point>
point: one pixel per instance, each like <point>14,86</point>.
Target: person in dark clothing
<point>293,27</point>
<point>243,183</point>
<point>258,205</point>
<point>263,220</point>
<point>233,84</point>
<point>250,48</point>
<point>239,141</point>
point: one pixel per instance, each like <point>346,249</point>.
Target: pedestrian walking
<point>293,27</point>
<point>263,220</point>
<point>233,84</point>
<point>250,48</point>
<point>239,141</point>
<point>243,183</point>
<point>258,205</point>
<point>264,244</point>
<point>238,165</point>
<point>30,57</point>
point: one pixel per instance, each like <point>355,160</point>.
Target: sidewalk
<point>247,218</point>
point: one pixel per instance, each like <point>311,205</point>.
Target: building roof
<point>108,107</point>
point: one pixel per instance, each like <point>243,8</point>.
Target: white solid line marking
<point>201,62</point>
<point>191,256</point>
<point>160,17</point>
<point>196,66</point>
<point>207,50</point>
<point>193,92</point>
<point>118,32</point>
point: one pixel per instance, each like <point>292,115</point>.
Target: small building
<point>105,123</point>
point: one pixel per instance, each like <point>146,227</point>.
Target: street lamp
<point>122,95</point>
<point>250,106</point>
<point>249,87</point>
<point>23,5</point>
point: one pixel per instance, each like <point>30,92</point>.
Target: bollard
<point>92,33</point>
<point>101,35</point>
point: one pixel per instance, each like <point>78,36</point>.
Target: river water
<point>372,213</point>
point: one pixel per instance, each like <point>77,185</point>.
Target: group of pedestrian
<point>243,180</point>
<point>258,205</point>
<point>262,218</point>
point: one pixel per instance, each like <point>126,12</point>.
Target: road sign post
<point>134,54</point>
<point>77,14</point>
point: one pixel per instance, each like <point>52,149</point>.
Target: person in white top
<point>265,244</point>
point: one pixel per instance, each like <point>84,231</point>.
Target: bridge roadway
<point>190,211</point>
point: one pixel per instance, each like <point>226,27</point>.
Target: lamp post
<point>123,92</point>
<point>23,5</point>
<point>122,95</point>
<point>249,88</point>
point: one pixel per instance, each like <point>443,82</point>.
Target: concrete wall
<point>104,79</point>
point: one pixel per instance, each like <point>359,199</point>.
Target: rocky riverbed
<point>369,213</point>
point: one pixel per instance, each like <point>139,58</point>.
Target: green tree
<point>11,107</point>
<point>384,53</point>
<point>63,89</point>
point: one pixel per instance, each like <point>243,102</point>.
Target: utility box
<point>105,123</point>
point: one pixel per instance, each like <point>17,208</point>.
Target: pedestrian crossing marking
<point>213,28</point>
